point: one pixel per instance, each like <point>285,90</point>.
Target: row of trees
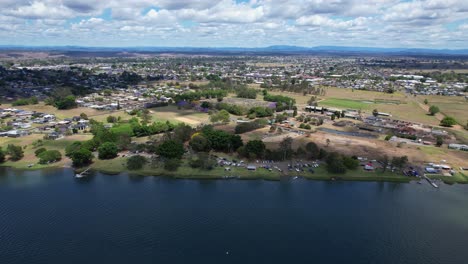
<point>14,152</point>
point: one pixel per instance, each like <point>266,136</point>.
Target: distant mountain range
<point>278,49</point>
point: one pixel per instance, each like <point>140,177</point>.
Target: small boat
<point>295,177</point>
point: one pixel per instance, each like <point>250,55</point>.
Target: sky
<point>231,23</point>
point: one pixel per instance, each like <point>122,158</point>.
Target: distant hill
<point>277,49</point>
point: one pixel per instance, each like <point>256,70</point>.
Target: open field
<point>30,158</point>
<point>172,114</point>
<point>61,114</point>
<point>454,106</point>
<point>405,111</point>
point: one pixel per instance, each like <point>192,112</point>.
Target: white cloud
<point>436,23</point>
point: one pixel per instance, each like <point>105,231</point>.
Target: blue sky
<point>235,23</point>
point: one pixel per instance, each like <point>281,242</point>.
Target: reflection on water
<point>50,216</point>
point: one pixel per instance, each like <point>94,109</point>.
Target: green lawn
<point>345,103</point>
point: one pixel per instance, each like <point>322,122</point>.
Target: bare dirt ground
<point>374,148</point>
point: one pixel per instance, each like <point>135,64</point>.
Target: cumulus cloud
<point>436,23</point>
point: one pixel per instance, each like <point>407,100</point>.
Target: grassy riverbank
<point>118,165</point>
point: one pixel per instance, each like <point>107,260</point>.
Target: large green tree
<point>255,148</point>
<point>16,152</point>
<point>108,150</point>
<point>200,143</point>
<point>434,110</point>
<point>171,149</point>
<point>448,121</point>
<point>81,157</point>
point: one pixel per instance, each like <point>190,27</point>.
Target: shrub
<point>249,126</point>
<point>434,110</point>
<point>2,155</point>
<point>39,151</point>
<point>350,163</point>
<point>136,162</point>
<point>49,156</point>
<point>171,149</point>
<point>171,164</point>
<point>448,121</point>
<point>261,111</point>
<point>247,93</point>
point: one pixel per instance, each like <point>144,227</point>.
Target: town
<point>297,116</point>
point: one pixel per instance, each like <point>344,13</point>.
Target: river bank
<point>118,165</point>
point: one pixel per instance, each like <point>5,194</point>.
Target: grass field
<point>405,111</point>
<point>172,114</point>
<point>30,158</point>
<point>345,103</point>
<point>454,106</point>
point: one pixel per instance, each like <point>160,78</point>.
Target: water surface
<point>50,217</point>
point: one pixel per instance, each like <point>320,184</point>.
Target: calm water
<point>50,217</point>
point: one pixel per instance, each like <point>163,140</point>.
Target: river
<point>51,217</point>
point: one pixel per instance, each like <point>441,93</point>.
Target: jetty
<point>82,174</point>
<point>430,181</point>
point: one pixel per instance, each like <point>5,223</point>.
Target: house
<point>53,136</point>
<point>17,133</point>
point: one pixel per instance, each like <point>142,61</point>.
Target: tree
<point>136,162</point>
<point>255,147</point>
<point>312,150</point>
<point>199,143</point>
<point>385,162</point>
<point>400,162</point>
<point>328,142</point>
<point>171,164</point>
<point>49,156</point>
<point>448,121</point>
<point>123,141</point>
<point>70,149</point>
<point>247,93</point>
<point>350,162</point>
<point>2,155</point>
<point>111,119</point>
<point>81,157</point>
<point>182,132</point>
<point>67,102</point>
<point>145,116</point>
<point>221,116</point>
<point>285,147</point>
<point>203,161</point>
<point>335,163</point>
<point>107,150</point>
<point>434,110</point>
<point>39,151</point>
<point>84,116</point>
<point>15,152</point>
<point>426,101</point>
<point>439,141</point>
<point>375,112</point>
<point>171,149</point>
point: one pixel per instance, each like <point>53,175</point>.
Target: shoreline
<point>117,166</point>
